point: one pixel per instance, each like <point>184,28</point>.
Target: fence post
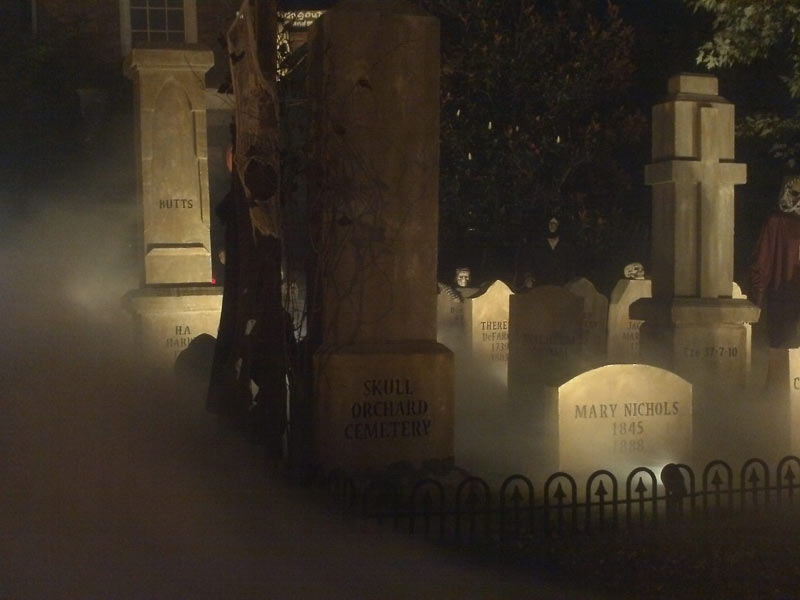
<point>674,488</point>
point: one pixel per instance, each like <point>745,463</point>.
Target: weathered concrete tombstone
<point>383,385</point>
<point>450,328</point>
<point>594,330</point>
<point>692,324</point>
<point>545,333</point>
<point>736,292</point>
<point>487,328</point>
<point>619,417</point>
<point>177,300</point>
<point>623,332</point>
<point>783,387</point>
<point>449,317</point>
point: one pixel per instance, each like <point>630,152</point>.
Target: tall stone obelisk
<point>383,385</point>
<point>177,300</point>
<point>693,325</point>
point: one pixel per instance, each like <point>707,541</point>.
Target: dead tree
<point>248,380</point>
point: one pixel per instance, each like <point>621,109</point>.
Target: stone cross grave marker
<point>692,324</point>
<point>692,177</point>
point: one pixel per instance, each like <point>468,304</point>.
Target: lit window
<point>157,21</point>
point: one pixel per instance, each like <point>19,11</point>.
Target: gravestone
<point>383,384</point>
<point>594,332</point>
<point>623,332</point>
<point>450,307</point>
<point>783,388</point>
<point>545,333</point>
<point>692,324</point>
<point>619,417</point>
<point>449,316</point>
<point>486,324</point>
<point>748,332</point>
<point>177,300</point>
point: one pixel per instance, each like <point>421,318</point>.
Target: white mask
<point>789,202</point>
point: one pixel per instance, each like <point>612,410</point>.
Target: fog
<point>118,484</point>
<point>497,436</point>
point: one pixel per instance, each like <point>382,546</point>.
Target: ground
<point>118,484</point>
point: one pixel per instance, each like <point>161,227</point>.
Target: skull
<point>789,201</point>
<point>462,276</point>
<point>634,271</point>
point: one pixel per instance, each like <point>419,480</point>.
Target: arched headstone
<point>487,328</point>
<point>620,417</point>
<point>546,324</point>
<point>623,331</point>
<point>595,320</point>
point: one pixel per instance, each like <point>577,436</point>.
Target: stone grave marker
<point>450,307</point>
<point>737,294</point>
<point>792,385</point>
<point>545,332</point>
<point>595,320</point>
<point>383,385</point>
<point>619,417</point>
<point>623,331</point>
<point>449,316</point>
<point>487,326</point>
<point>692,324</point>
<point>177,300</point>
<point>173,163</point>
<point>777,410</point>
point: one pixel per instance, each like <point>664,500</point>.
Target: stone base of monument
<point>705,340</point>
<point>385,403</point>
<point>168,318</point>
<point>177,263</point>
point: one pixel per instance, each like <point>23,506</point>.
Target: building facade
<point>111,28</point>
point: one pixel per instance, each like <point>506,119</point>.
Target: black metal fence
<point>467,510</point>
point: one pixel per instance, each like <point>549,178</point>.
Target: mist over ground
<point>116,483</point>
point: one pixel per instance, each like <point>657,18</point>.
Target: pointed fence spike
<point>754,478</point>
<point>716,480</point>
<point>559,495</point>
<point>601,491</point>
<point>790,476</point>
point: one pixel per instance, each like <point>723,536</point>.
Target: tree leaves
<point>744,33</point>
<point>551,78</point>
